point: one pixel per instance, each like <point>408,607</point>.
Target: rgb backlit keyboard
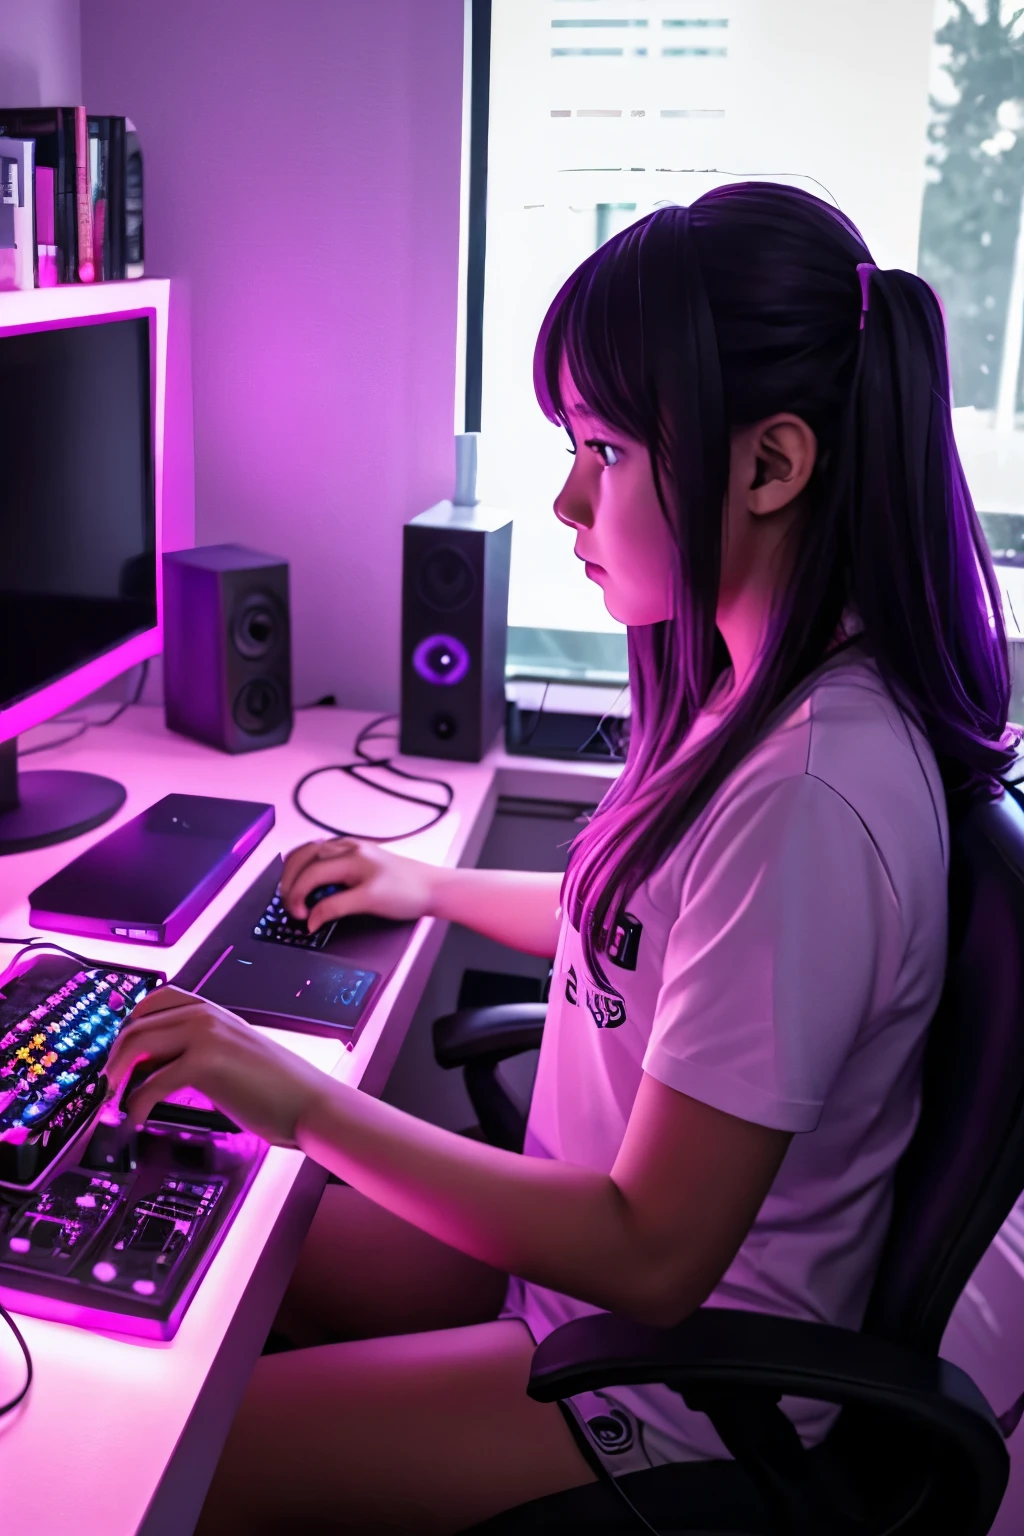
<point>55,1038</point>
<point>278,925</point>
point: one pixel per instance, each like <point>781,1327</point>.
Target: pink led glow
<point>91,1313</point>
<point>44,309</point>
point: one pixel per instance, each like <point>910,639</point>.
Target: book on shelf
<point>83,199</point>
<point>8,201</point>
<point>87,197</point>
<point>53,129</point>
<point>17,214</point>
<point>134,244</point>
<point>46,240</point>
<point>107,195</point>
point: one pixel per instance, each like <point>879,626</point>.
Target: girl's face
<point>621,532</point>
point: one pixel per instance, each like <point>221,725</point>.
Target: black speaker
<point>227,647</point>
<point>455,565</point>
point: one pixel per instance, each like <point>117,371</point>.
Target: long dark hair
<point>696,321</point>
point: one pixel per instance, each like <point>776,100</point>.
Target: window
<point>602,110</point>
<point>972,252</point>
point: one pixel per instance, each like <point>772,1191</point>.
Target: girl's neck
<point>732,681</point>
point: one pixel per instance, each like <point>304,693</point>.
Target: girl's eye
<point>605,452</point>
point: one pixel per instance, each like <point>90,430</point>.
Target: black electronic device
<point>58,1023</point>
<point>455,572</point>
<point>227,647</point>
<point>101,1224</point>
<point>79,535</point>
<point>149,880</point>
<point>124,1247</point>
<point>319,991</point>
<point>277,926</point>
<point>565,734</point>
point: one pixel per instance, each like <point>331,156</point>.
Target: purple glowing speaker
<point>455,568</point>
<point>227,647</point>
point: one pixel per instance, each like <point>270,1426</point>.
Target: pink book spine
<point>99,219</point>
<point>46,240</point>
<point>83,197</point>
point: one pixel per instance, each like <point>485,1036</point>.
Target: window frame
<point>544,655</point>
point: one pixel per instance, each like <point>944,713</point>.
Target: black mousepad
<point>317,992</point>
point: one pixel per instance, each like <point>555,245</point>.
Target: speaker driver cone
<point>446,580</point>
<point>257,627</point>
<point>259,706</point>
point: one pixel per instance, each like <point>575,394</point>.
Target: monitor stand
<point>49,805</point>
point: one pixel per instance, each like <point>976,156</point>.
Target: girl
<point>750,939</point>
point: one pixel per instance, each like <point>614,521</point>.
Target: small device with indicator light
<point>103,1224</point>
<point>146,882</point>
<point>58,1024</point>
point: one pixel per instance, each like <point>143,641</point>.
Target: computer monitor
<point>82,384</point>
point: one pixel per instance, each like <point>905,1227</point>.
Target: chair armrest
<point>719,1348</point>
<point>474,1033</point>
<point>734,1366</point>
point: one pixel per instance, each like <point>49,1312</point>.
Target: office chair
<point>916,1449</point>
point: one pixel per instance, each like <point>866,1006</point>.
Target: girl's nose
<point>573,508</point>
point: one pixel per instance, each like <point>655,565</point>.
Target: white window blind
<point>600,111</point>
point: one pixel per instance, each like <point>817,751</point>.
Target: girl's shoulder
<point>847,733</point>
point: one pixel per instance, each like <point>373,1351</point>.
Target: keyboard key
<point>277,926</point>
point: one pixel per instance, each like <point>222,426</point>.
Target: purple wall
<point>40,54</point>
<point>302,167</point>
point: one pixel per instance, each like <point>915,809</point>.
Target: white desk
<point>121,1436</point>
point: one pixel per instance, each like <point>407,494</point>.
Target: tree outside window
<point>972,247</point>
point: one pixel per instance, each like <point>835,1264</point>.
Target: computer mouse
<point>138,1075</point>
<point>179,1110</point>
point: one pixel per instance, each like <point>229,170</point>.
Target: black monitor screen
<point>77,514</point>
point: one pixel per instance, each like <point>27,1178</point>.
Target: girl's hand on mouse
<point>186,1041</point>
<point>385,884</point>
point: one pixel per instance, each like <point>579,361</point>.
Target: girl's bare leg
<point>363,1273</point>
<point>427,1432</point>
<point>419,1421</point>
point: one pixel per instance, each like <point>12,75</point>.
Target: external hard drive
<point>146,882</point>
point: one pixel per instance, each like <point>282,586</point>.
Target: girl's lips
<point>593,570</point>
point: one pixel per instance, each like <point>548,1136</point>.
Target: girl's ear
<point>782,450</point>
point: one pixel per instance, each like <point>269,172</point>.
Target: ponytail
<point>921,576</point>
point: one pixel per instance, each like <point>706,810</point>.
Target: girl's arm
<point>650,1238</point>
<point>518,909</point>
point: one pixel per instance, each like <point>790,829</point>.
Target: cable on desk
<point>29,945</point>
<point>612,729</point>
<point>13,1402</point>
<point>355,771</point>
<point>526,740</point>
<point>85,725</point>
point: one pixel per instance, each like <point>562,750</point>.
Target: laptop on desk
<point>324,991</point>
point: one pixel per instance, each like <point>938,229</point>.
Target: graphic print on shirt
<point>624,945</point>
<point>606,1010</point>
<point>613,1431</point>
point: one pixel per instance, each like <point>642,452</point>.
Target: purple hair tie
<point>864,271</point>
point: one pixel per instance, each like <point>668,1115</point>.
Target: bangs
<point>595,323</point>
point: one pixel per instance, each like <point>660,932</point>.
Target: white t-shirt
<point>789,955</point>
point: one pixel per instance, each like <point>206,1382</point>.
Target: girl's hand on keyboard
<point>384,884</point>
<point>186,1041</point>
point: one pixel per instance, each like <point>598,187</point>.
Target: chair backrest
<point>964,1168</point>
